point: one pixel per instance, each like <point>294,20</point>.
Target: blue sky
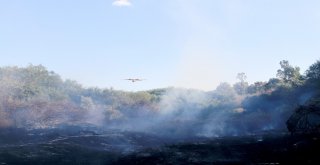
<point>182,43</point>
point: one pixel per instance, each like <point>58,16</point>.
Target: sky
<point>169,43</point>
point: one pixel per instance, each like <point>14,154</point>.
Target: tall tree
<point>241,86</point>
<point>289,74</point>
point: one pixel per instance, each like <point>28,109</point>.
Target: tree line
<point>33,97</point>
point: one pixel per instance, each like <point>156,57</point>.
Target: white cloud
<point>121,3</point>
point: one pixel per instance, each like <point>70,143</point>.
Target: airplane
<point>134,79</point>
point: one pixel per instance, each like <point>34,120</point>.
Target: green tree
<point>289,74</point>
<point>272,84</point>
<point>257,87</point>
<point>314,71</point>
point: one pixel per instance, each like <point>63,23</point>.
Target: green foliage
<point>314,71</point>
<point>273,84</point>
<point>257,88</point>
<point>289,74</point>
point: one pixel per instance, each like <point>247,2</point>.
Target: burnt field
<point>89,145</point>
<point>254,149</point>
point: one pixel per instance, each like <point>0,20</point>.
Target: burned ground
<point>254,149</point>
<point>81,146</point>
